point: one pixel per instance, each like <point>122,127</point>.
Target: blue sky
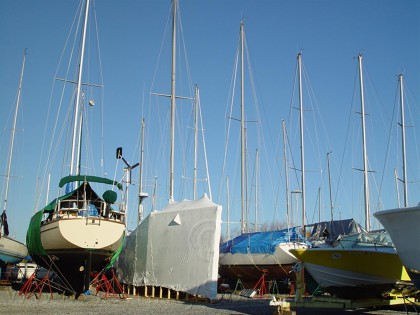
<point>135,56</point>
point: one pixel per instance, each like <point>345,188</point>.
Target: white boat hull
<point>403,226</point>
<point>82,233</point>
<point>79,245</point>
<point>11,251</point>
<point>251,266</point>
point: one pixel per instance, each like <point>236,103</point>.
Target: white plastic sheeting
<point>176,248</point>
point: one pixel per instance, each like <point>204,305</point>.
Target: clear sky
<point>134,38</point>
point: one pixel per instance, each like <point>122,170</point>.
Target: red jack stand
<point>260,286</point>
<point>39,286</point>
<point>111,287</point>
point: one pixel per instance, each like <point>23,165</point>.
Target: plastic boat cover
<point>379,238</point>
<point>260,242</point>
<point>330,231</point>
<point>175,248</point>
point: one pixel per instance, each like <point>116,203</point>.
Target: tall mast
<point>12,140</point>
<point>142,195</point>
<point>173,103</point>
<point>228,208</point>
<point>195,141</point>
<point>319,203</point>
<point>396,186</point>
<point>197,119</point>
<point>329,182</point>
<point>154,197</point>
<point>365,164</point>
<point>47,198</point>
<point>172,153</point>
<point>404,180</point>
<point>205,152</point>
<point>242,132</point>
<point>286,173</point>
<point>76,141</point>
<point>256,189</point>
<point>302,148</point>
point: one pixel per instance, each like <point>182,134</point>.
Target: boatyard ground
<point>13,303</point>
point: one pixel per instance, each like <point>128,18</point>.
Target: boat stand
<point>301,300</point>
<point>260,285</point>
<point>6,276</point>
<point>273,287</point>
<point>35,286</point>
<point>239,286</point>
<point>111,288</point>
<point>285,305</point>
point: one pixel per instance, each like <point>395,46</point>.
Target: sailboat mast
<point>242,132</point>
<point>141,194</point>
<point>154,197</point>
<point>286,174</point>
<point>396,186</point>
<point>228,208</point>
<point>329,184</point>
<point>172,153</point>
<point>195,142</point>
<point>256,189</point>
<point>76,141</point>
<point>319,203</point>
<point>405,192</point>
<point>205,150</point>
<point>365,164</point>
<point>12,140</point>
<point>302,148</point>
<point>47,198</point>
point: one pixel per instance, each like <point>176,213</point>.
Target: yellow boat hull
<point>354,267</point>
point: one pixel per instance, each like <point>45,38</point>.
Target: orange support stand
<point>260,285</point>
<point>28,285</point>
<point>292,289</point>
<point>111,287</point>
<point>39,286</point>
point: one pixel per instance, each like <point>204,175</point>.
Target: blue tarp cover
<point>260,242</point>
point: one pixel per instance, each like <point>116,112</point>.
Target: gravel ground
<point>13,303</point>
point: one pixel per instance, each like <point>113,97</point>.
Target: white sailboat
<point>402,226</point>
<point>402,223</point>
<point>81,230</point>
<point>360,265</point>
<point>11,250</point>
<point>175,247</point>
<point>250,255</point>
